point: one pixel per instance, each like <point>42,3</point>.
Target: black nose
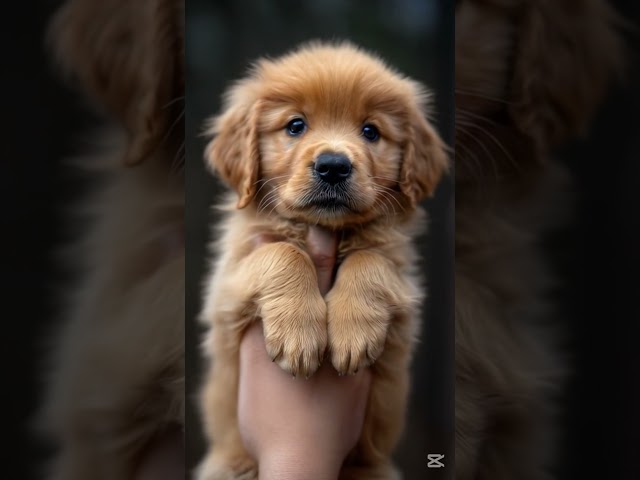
<point>332,167</point>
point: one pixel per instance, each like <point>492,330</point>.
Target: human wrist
<point>299,464</point>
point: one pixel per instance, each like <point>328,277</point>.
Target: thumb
<point>322,246</point>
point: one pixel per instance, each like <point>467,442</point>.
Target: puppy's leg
<point>276,282</point>
<point>227,458</point>
<point>371,319</point>
<point>293,312</point>
<point>367,293</point>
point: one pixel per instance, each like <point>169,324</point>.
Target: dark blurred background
<point>597,255</point>
<point>43,124</point>
<point>416,36</point>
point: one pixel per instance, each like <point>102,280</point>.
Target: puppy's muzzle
<point>332,168</point>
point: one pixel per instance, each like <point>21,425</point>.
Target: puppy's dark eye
<point>296,127</point>
<point>370,133</point>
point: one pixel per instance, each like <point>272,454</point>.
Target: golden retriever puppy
<point>117,364</point>
<point>326,135</point>
<point>529,76</point>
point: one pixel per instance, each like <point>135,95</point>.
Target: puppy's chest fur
<point>394,239</point>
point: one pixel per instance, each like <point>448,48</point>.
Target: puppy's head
<point>327,134</point>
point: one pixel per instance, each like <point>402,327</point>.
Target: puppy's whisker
<point>178,161</point>
<point>271,202</point>
<point>464,149</point>
<point>178,118</point>
<point>390,194</point>
<point>483,146</point>
<point>380,201</point>
<point>385,207</point>
<point>495,140</point>
<point>306,197</point>
<point>478,94</point>
<point>383,200</point>
<point>262,180</point>
<point>389,179</point>
<point>276,206</point>
<point>171,102</point>
<point>384,187</point>
<point>387,189</point>
<point>267,200</point>
<point>266,182</point>
<point>382,177</point>
<point>388,197</point>
<point>395,212</point>
<point>466,115</point>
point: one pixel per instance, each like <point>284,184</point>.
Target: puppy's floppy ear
<point>234,152</point>
<point>127,57</point>
<point>567,53</point>
<point>425,159</point>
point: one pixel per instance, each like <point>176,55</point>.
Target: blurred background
<point>415,36</point>
<point>597,255</point>
<point>43,124</point>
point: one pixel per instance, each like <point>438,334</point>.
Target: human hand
<point>297,428</point>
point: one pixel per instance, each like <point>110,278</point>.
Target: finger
<point>263,238</point>
<point>252,344</point>
<point>322,245</point>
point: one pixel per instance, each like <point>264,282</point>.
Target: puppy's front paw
<point>295,332</point>
<point>357,332</point>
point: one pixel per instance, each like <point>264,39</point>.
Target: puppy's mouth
<point>330,200</point>
<point>329,205</point>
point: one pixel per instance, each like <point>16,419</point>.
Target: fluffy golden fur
<point>370,317</point>
<point>118,359</point>
<point>529,76</point>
